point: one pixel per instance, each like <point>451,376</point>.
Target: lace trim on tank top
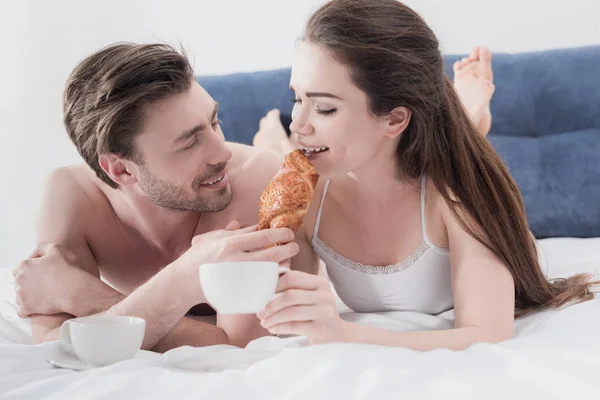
<point>370,269</point>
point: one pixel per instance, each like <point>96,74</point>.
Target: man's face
<point>183,156</point>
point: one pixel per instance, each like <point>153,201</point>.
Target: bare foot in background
<point>271,134</point>
<point>474,83</point>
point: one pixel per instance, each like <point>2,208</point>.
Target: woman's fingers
<point>290,298</point>
<point>291,314</point>
<point>300,280</point>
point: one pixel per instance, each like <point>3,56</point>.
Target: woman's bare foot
<point>473,80</point>
<point>271,134</point>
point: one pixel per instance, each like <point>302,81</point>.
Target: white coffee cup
<point>240,287</point>
<point>103,340</point>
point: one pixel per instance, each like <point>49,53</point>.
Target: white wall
<point>43,40</point>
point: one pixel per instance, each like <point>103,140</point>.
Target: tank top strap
<point>423,220</point>
<point>318,221</point>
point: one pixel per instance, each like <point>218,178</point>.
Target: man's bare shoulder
<point>75,187</point>
<point>251,170</point>
<point>252,166</point>
<point>78,178</point>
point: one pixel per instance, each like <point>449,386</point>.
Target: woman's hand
<point>305,306</point>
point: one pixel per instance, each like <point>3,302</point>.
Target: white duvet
<point>554,355</point>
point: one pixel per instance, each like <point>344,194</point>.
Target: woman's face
<point>331,117</point>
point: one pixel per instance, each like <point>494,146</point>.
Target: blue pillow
<point>545,126</point>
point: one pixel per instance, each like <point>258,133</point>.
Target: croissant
<point>286,198</point>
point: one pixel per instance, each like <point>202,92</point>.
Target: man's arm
<point>191,332</point>
<point>167,296</point>
<point>61,219</point>
<point>63,213</point>
<point>163,310</point>
<point>96,297</point>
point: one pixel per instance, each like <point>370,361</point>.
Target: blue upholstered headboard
<point>546,127</point>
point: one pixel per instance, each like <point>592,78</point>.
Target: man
<point>161,194</point>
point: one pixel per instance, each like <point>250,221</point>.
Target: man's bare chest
<point>126,260</point>
<point>126,264</point>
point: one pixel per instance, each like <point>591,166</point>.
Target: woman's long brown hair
<point>394,57</point>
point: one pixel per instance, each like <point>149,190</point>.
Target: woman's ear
<point>397,121</point>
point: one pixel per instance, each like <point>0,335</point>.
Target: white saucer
<point>61,357</point>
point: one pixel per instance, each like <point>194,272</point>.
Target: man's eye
<point>217,122</point>
<point>296,101</point>
<point>189,146</point>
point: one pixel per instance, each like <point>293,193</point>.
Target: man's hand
<point>44,281</point>
<point>233,244</point>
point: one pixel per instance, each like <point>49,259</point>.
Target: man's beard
<point>177,198</point>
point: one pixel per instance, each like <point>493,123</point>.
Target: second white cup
<point>102,340</point>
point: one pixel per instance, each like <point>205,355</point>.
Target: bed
<point>553,355</point>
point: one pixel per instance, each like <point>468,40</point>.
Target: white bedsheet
<point>12,328</point>
<point>554,355</point>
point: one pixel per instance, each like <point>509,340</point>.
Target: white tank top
<point>420,283</point>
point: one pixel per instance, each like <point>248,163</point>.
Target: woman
<point>414,209</point>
